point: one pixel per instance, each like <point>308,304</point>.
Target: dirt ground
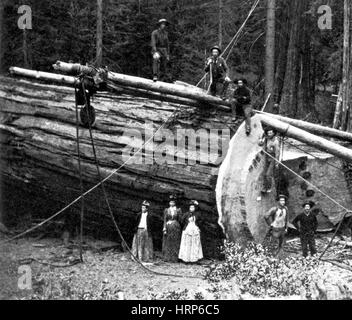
<point>108,274</point>
<point>102,271</point>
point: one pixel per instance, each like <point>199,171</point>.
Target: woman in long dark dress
<point>172,231</point>
<point>191,247</point>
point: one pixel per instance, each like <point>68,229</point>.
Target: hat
<point>145,203</point>
<point>217,48</point>
<point>282,196</point>
<point>193,203</point>
<point>241,79</point>
<point>308,202</point>
<point>163,21</point>
<point>268,128</point>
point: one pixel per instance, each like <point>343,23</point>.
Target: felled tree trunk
<point>39,158</point>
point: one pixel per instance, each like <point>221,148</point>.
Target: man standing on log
<point>219,72</point>
<point>242,103</point>
<point>277,219</point>
<point>306,223</point>
<point>271,146</point>
<point>160,50</point>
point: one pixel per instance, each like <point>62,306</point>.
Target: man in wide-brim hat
<point>160,50</point>
<point>219,71</point>
<point>277,220</point>
<point>271,148</point>
<point>242,103</point>
<point>306,223</point>
<point>142,247</point>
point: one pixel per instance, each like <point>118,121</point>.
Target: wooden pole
<point>146,84</point>
<point>99,58</point>
<point>270,52</point>
<point>221,9</point>
<point>337,116</point>
<point>71,81</point>
<point>308,138</point>
<point>2,37</point>
<point>313,128</point>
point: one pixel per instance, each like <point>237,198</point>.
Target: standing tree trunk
<point>282,41</point>
<point>270,53</point>
<point>99,57</point>
<point>2,38</point>
<point>289,101</point>
<point>25,50</point>
<point>221,10</point>
<point>306,94</point>
<point>346,64</point>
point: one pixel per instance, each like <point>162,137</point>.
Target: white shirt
<point>143,223</point>
<point>280,218</point>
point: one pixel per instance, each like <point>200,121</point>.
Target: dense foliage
<point>259,274</point>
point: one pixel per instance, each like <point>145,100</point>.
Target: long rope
<point>314,156</point>
<point>80,181</point>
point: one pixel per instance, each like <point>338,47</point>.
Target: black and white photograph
<point>195,152</point>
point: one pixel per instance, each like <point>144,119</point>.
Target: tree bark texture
<point>39,158</point>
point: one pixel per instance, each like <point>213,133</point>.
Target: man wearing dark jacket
<point>217,67</point>
<point>160,50</point>
<point>242,101</point>
<point>142,247</point>
<point>306,223</point>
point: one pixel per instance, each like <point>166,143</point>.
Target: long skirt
<point>142,246</point>
<point>191,246</point>
<point>171,241</point>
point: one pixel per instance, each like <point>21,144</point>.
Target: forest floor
<point>105,273</point>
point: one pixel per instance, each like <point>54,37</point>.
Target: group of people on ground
<point>216,67</point>
<point>181,233</point>
<point>306,223</point>
<point>277,217</point>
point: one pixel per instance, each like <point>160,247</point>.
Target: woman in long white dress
<point>191,246</point>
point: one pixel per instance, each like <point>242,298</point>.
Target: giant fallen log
<point>39,167</point>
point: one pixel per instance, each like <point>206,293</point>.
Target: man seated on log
<point>307,224</point>
<point>242,103</point>
<point>277,219</point>
<point>217,67</point>
<point>142,247</point>
<point>271,146</point>
<point>160,51</point>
